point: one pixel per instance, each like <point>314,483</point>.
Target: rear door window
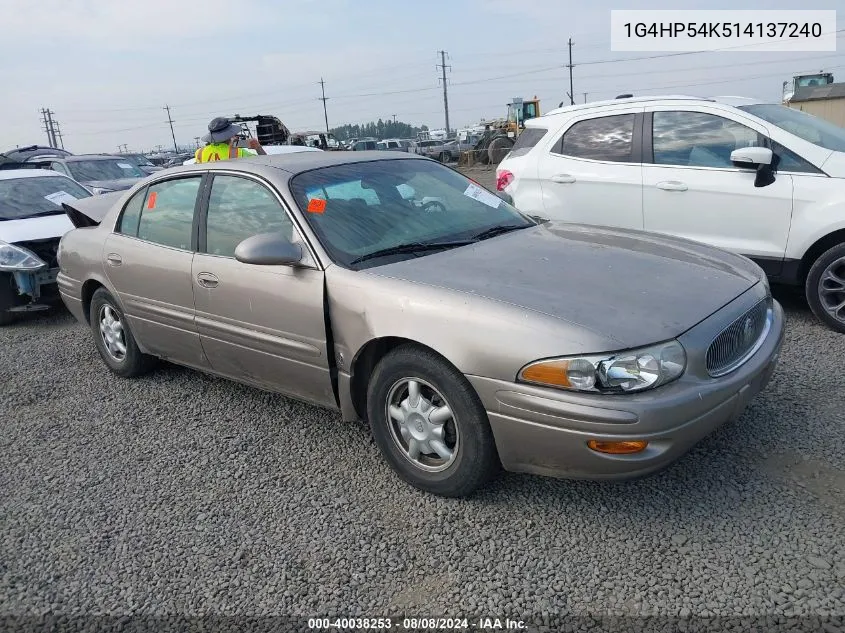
<point>527,140</point>
<point>607,138</point>
<point>167,216</point>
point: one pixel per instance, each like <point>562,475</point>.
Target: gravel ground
<point>179,493</point>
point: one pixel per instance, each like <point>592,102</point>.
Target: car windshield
<point>360,209</point>
<point>136,159</point>
<point>40,195</point>
<point>806,126</point>
<point>103,169</point>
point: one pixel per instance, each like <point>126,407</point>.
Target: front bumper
<point>33,290</point>
<point>545,431</point>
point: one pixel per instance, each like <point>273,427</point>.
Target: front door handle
<point>672,185</point>
<point>563,178</point>
<point>114,259</point>
<point>207,280</point>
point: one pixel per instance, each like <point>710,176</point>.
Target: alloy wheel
<point>422,424</point>
<point>112,333</point>
<point>832,289</point>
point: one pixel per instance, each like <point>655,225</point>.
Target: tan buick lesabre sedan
<point>394,289</point>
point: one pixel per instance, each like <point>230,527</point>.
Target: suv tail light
<point>503,179</point>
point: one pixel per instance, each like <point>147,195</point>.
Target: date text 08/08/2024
<point>412,624</point>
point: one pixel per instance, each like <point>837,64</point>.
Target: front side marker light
<point>628,447</point>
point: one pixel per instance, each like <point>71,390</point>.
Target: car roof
<point>298,162</point>
<point>29,173</point>
<point>80,157</point>
<point>724,100</point>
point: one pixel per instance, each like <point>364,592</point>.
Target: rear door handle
<point>207,280</point>
<point>672,185</point>
<point>114,259</point>
<point>563,178</point>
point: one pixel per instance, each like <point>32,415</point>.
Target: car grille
<point>738,342</point>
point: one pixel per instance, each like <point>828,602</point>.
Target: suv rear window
<point>529,138</point>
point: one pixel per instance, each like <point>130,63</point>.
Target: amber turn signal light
<point>618,448</point>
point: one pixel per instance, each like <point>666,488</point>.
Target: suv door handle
<point>114,259</point>
<point>207,280</point>
<point>563,178</point>
<point>672,185</point>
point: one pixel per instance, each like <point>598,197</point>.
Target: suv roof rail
<point>628,98</point>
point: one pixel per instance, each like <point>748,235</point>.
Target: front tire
<point>114,339</point>
<point>430,424</point>
<point>825,288</point>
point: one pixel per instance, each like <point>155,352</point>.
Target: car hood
<point>634,287</point>
<point>43,228</point>
<point>115,185</point>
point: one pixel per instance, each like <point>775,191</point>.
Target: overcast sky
<point>108,68</point>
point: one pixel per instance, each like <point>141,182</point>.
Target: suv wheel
<point>825,288</point>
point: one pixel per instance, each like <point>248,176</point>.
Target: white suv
<point>757,179</point>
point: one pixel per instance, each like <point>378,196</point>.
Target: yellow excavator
<point>500,135</point>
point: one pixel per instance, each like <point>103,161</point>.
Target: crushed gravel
<point>183,494</point>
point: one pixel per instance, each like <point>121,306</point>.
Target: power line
<point>442,65</point>
<point>712,50</point>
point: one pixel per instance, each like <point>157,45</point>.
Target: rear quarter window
<point>526,141</point>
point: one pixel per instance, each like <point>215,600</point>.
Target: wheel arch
<point>365,361</point>
<point>88,289</point>
<point>817,249</point>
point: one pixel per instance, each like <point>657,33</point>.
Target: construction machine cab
<point>519,111</point>
<point>268,129</point>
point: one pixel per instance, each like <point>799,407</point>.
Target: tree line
<point>379,129</point>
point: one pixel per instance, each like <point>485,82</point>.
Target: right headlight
<point>617,372</point>
<point>16,258</point>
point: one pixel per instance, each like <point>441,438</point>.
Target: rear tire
<point>114,339</point>
<point>499,148</point>
<point>825,288</point>
<point>435,435</point>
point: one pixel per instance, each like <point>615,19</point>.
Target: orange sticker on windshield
<point>316,205</point>
<point>151,202</point>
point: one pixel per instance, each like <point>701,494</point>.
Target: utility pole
<point>48,127</point>
<point>324,98</point>
<point>570,66</point>
<point>442,66</point>
<point>58,132</point>
<point>172,133</point>
<point>585,97</point>
<point>197,139</point>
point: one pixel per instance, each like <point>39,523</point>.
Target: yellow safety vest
<point>220,151</point>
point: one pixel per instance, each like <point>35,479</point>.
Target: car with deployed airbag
<point>393,289</point>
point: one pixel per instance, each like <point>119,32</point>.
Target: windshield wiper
<point>411,247</point>
<point>498,230</point>
<point>41,214</point>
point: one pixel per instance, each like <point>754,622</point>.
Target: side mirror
<point>760,158</point>
<point>268,249</point>
<point>751,156</point>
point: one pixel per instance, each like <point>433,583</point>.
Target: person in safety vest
<point>222,143</point>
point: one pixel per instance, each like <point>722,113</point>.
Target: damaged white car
<point>32,221</point>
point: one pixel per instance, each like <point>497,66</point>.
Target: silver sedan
<point>396,290</point>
